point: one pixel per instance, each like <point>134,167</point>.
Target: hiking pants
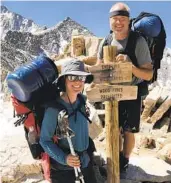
<point>68,176</point>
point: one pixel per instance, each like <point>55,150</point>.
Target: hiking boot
<point>123,163</point>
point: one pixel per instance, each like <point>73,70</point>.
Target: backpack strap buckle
<point>22,118</point>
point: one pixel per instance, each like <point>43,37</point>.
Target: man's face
<point>119,24</point>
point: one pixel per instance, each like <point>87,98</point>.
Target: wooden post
<point>77,46</point>
<point>112,141</point>
<point>112,127</point>
<point>109,53</point>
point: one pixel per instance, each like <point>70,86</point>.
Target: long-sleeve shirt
<point>80,128</point>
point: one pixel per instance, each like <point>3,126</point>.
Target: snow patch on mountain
<point>15,22</point>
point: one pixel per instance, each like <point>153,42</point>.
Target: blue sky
<point>91,14</point>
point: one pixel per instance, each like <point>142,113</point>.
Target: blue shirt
<point>80,128</point>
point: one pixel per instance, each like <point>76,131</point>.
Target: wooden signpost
<point>102,93</point>
<point>112,73</point>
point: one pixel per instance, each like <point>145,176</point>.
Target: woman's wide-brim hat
<point>73,67</point>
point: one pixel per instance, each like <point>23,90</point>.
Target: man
<point>129,111</point>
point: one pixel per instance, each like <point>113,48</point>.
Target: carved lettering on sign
<point>111,92</point>
<point>105,90</point>
<point>116,96</point>
<point>112,73</point>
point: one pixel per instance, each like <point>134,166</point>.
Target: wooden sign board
<point>101,93</point>
<point>112,72</point>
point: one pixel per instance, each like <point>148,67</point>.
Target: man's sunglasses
<point>76,78</point>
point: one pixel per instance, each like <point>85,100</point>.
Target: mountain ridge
<point>22,42</point>
<point>16,22</point>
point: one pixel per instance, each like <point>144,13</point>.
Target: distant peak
<point>4,9</point>
<point>67,19</point>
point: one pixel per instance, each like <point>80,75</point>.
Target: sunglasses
<point>76,78</point>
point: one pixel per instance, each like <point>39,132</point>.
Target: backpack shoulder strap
<point>108,40</point>
<point>131,45</point>
<point>84,111</point>
<point>57,105</point>
<point>82,100</point>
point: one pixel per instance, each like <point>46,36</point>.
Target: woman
<point>71,82</point>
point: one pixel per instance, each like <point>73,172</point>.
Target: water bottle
<point>32,135</point>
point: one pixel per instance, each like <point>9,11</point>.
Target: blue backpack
<point>151,27</point>
<point>32,90</point>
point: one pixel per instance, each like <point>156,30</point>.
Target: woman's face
<point>74,84</point>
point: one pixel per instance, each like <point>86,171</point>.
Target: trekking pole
<point>65,132</point>
<point>78,174</point>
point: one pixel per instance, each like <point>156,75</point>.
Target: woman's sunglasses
<point>76,78</point>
